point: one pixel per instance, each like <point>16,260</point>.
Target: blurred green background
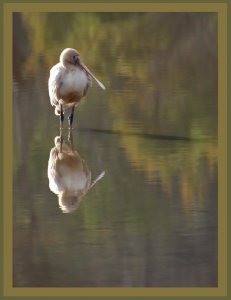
<point>152,220</point>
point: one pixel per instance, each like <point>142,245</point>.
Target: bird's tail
<point>57,111</point>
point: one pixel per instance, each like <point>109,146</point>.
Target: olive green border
<point>221,9</point>
<point>1,156</point>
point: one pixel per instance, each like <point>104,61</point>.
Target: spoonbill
<point>68,83</point>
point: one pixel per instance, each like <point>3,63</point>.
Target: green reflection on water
<point>152,219</point>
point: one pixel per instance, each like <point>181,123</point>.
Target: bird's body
<point>69,175</point>
<point>67,86</point>
<point>68,82</point>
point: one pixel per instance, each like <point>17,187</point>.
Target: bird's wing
<point>54,83</point>
<point>89,83</point>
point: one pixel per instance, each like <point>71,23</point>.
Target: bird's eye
<point>75,59</point>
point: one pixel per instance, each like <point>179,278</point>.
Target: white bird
<point>68,83</point>
<point>69,176</point>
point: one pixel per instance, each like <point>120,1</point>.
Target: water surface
<point>151,221</point>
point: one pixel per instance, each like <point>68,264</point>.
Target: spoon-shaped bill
<point>89,72</point>
<point>97,179</point>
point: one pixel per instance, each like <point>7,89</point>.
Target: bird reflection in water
<point>68,174</point>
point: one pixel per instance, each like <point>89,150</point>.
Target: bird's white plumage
<point>69,81</point>
<point>62,176</point>
<point>69,176</point>
<point>74,81</point>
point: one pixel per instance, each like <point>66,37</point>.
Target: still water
<point>151,220</point>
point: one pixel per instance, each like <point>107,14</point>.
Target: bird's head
<point>69,57</point>
<point>69,203</point>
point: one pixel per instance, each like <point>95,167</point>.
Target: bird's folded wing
<point>54,84</point>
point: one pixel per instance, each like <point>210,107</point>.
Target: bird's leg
<point>70,139</point>
<point>61,141</point>
<point>71,117</point>
<point>61,116</point>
